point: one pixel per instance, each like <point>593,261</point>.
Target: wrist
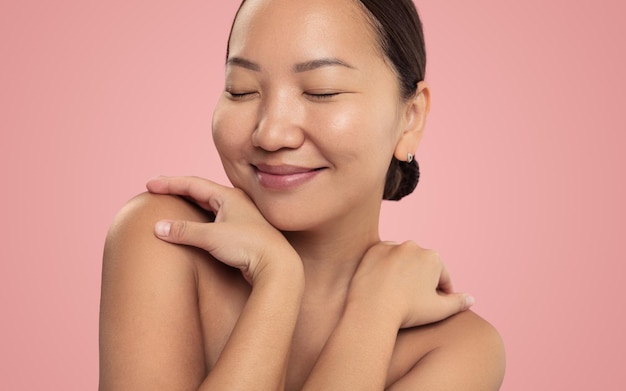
<point>381,313</point>
<point>279,269</point>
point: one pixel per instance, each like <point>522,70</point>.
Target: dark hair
<point>399,31</point>
<point>401,39</point>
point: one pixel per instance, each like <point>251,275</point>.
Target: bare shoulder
<point>147,208</point>
<point>150,330</point>
<point>131,243</point>
<point>462,352</point>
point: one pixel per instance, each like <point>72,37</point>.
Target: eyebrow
<point>242,62</point>
<point>297,68</point>
<point>322,62</point>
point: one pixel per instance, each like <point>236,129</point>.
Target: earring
<point>409,157</point>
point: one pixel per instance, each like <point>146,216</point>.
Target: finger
<point>203,191</point>
<point>184,232</point>
<point>443,307</point>
<point>456,302</point>
<point>445,281</point>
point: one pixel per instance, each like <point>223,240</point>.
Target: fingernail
<point>162,228</point>
<point>469,301</point>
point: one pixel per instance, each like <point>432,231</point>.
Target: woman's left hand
<point>407,283</point>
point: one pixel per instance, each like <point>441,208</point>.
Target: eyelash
<point>238,96</point>
<point>318,97</point>
<point>325,96</point>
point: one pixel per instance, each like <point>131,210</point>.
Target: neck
<point>331,255</point>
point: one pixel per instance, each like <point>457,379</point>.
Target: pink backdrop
<point>522,193</point>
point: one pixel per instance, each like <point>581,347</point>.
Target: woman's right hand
<point>159,302</point>
<point>239,237</point>
<point>406,283</point>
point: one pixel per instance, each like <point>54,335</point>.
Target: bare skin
<point>290,288</point>
<point>168,311</point>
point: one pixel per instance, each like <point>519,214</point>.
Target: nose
<point>278,126</point>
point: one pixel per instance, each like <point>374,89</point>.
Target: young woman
<point>282,282</point>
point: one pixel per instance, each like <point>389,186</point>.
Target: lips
<point>284,177</point>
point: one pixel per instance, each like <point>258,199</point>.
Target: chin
<point>287,222</point>
<point>290,219</point>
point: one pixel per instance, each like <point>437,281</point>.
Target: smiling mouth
<point>284,177</point>
<point>283,169</point>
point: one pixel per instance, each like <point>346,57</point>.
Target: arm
<point>256,354</point>
<point>395,287</point>
<point>357,354</point>
<point>150,333</point>
<point>150,326</point>
<point>470,358</point>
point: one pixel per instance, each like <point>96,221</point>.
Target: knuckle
<point>413,248</point>
<point>178,230</point>
<point>409,244</point>
<point>432,256</point>
<point>236,190</point>
<point>462,304</point>
<point>240,194</point>
<point>408,249</point>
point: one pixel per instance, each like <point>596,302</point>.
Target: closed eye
<point>321,96</point>
<point>239,95</point>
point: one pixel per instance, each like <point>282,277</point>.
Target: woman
<point>291,287</point>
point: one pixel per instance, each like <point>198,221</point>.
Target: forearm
<point>357,354</point>
<point>256,354</point>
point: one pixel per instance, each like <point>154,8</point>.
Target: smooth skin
<point>207,287</point>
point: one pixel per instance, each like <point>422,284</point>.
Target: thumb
<point>460,301</point>
<point>206,236</point>
<point>457,302</point>
<point>182,232</point>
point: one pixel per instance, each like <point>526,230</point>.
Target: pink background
<point>522,193</point>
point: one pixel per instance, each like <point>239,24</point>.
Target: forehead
<point>303,28</point>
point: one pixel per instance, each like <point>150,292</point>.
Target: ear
<point>414,121</point>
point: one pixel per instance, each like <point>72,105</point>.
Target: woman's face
<point>311,113</point>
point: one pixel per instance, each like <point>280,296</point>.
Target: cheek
<point>339,126</point>
<point>230,129</point>
<point>359,129</point>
